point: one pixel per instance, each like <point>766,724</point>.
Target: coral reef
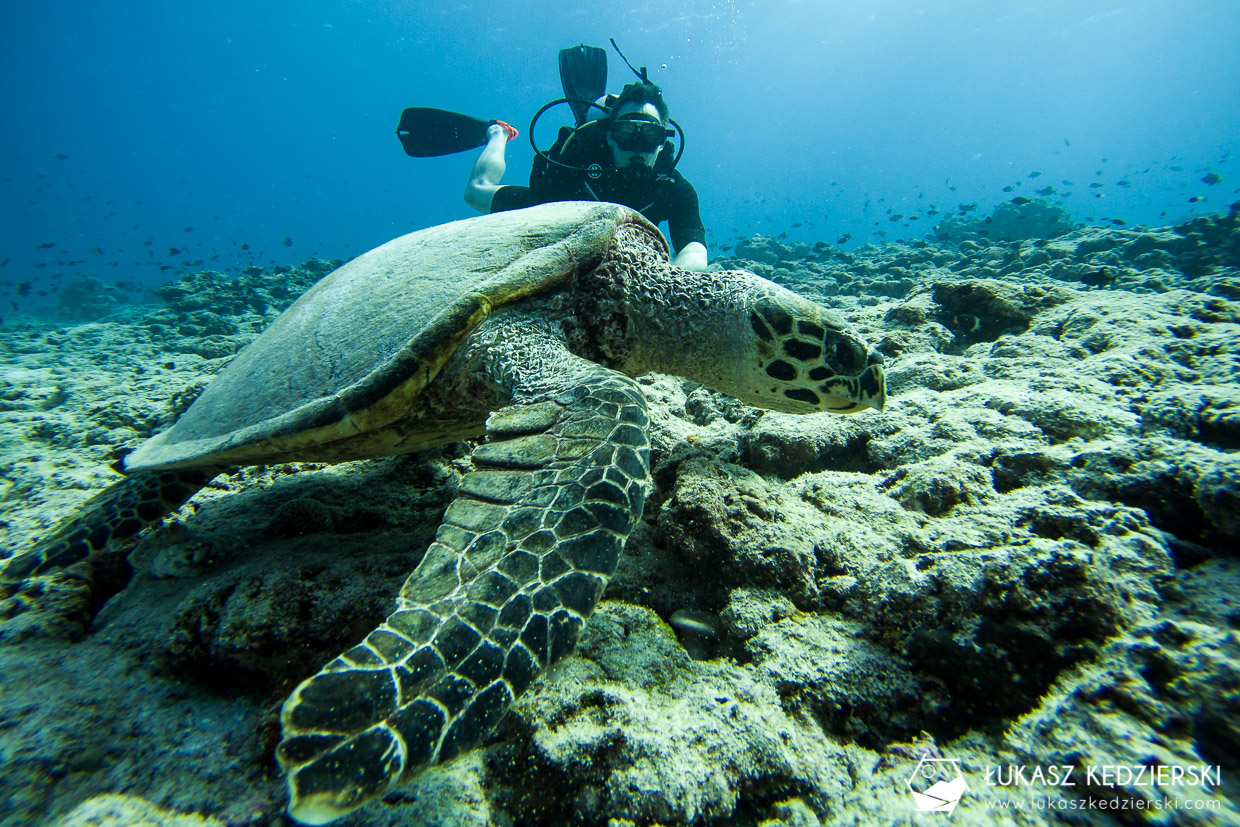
<point>1015,220</point>
<point>1027,559</point>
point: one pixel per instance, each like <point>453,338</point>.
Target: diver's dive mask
<point>639,133</point>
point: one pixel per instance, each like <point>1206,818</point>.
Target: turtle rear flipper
<point>518,565</point>
<point>115,514</point>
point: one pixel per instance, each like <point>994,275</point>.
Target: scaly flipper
<point>518,565</point>
<point>117,513</point>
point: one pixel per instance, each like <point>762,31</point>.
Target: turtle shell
<point>351,355</point>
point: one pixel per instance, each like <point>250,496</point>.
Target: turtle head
<point>731,330</point>
<point>800,359</point>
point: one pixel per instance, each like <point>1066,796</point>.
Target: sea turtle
<point>525,326</point>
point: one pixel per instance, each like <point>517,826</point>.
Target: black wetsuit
<point>665,196</point>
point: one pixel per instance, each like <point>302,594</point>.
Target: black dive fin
<point>425,132</point>
<point>583,73</point>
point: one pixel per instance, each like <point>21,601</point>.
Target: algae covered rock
<point>112,810</point>
<point>1014,220</point>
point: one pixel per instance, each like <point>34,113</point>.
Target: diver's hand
<point>691,257</point>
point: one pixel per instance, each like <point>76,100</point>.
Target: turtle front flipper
<point>117,513</point>
<point>518,565</point>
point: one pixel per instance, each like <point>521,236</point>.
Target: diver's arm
<point>684,225</point>
<point>488,170</point>
<point>692,256</point>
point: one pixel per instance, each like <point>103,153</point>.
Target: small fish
<point>932,212</point>
<point>188,230</point>
<point>174,251</point>
<point>245,246</point>
<point>1095,185</point>
<point>1211,179</point>
<point>60,156</point>
<point>23,289</point>
<point>1175,168</point>
<point>1118,222</point>
<point>1123,182</point>
<point>952,188</point>
<point>897,217</point>
<point>47,245</point>
<point>1020,201</point>
<point>1034,174</point>
<point>1046,191</point>
<point>964,208</point>
<point>1009,188</point>
<point>844,238</point>
<point>288,242</point>
<point>1195,199</point>
<point>726,247</point>
<point>1066,142</point>
<point>795,226</point>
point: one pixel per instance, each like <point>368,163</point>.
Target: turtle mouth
<point>851,394</point>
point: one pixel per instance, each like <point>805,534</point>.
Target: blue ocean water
<point>145,138</point>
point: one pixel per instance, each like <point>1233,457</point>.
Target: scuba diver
<point>623,156</point>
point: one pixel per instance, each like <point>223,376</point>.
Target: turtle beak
<point>850,394</point>
<point>873,383</point>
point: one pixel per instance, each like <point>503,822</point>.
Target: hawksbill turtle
<point>526,327</point>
